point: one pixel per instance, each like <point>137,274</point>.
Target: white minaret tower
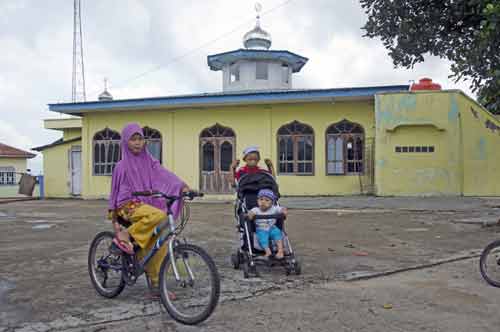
<point>256,67</point>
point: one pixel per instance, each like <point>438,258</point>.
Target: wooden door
<point>217,150</point>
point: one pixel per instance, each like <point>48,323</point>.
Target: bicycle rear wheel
<point>197,292</point>
<point>489,263</point>
<point>105,266</point>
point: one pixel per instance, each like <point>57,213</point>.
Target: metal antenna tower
<point>78,75</point>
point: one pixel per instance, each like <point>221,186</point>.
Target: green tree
<point>466,32</point>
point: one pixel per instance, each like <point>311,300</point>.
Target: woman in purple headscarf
<point>139,171</point>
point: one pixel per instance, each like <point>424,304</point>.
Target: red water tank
<point>425,84</point>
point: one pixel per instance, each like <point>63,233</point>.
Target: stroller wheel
<point>297,268</point>
<point>246,275</point>
<point>250,271</point>
<point>253,271</point>
<point>235,260</point>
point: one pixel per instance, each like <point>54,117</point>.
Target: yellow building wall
<point>70,133</point>
<point>19,165</point>
<point>466,138</point>
<point>253,125</point>
<point>56,170</point>
<point>481,149</point>
<point>97,186</point>
<point>417,119</point>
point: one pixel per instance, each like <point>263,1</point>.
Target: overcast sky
<point>169,41</point>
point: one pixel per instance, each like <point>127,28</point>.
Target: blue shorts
<point>263,236</point>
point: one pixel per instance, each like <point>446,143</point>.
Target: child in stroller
<point>249,252</point>
<point>265,227</point>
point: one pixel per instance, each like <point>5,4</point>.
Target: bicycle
<point>491,272</point>
<point>185,267</point>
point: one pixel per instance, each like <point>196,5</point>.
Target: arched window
<point>153,142</point>
<point>296,149</point>
<point>344,148</point>
<point>106,151</point>
<point>217,131</point>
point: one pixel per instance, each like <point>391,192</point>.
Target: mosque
<point>392,140</point>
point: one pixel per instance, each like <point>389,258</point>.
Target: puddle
<point>417,229</point>
<point>42,221</point>
<point>346,211</point>
<point>43,226</point>
<point>5,286</point>
<point>7,216</point>
<point>36,221</point>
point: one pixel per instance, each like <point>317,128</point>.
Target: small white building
<point>13,162</point>
<point>256,67</point>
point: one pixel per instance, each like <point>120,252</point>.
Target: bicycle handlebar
<point>189,194</point>
<point>144,193</point>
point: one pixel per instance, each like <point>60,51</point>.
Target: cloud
<point>169,40</point>
<point>8,133</point>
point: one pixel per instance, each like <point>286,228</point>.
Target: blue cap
<point>266,193</point>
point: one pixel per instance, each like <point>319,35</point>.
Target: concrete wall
<point>465,137</point>
<point>253,125</point>
<point>481,149</point>
<point>56,170</point>
<point>248,79</point>
<point>417,119</point>
<point>70,133</point>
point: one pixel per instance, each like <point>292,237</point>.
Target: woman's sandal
<point>124,245</point>
<point>155,295</point>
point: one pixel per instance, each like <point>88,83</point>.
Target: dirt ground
<point>418,255</point>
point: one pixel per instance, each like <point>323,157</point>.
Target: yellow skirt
<point>144,219</point>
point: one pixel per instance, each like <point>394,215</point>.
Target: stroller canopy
<point>250,184</point>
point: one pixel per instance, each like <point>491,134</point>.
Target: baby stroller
<point>249,252</point>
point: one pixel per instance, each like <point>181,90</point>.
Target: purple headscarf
<point>140,173</point>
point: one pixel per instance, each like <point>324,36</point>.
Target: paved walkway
<point>44,283</point>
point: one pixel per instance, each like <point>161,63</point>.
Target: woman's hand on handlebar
<point>190,193</point>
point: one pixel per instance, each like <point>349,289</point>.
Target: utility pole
<point>78,75</point>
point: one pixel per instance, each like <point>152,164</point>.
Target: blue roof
<point>295,61</point>
<point>226,98</point>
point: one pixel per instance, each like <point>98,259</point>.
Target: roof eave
<point>205,101</point>
<point>56,143</point>
<point>27,156</point>
<point>217,61</point>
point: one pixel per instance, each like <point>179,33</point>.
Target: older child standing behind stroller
<point>265,228</point>
<point>251,156</point>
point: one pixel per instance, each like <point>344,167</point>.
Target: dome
<point>105,96</point>
<point>257,38</point>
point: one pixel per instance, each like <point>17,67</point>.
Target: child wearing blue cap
<point>266,228</point>
<point>251,157</point>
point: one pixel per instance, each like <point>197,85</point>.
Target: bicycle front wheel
<point>191,298</point>
<point>489,263</point>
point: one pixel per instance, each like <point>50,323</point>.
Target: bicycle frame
<point>170,238</point>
